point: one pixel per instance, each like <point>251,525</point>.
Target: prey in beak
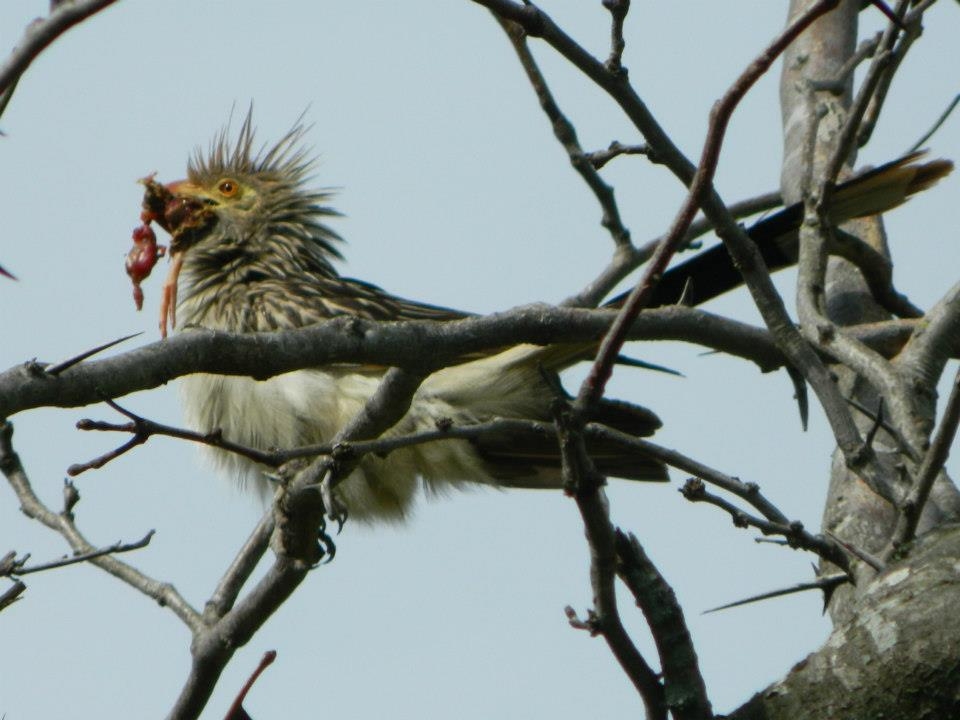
<point>187,217</point>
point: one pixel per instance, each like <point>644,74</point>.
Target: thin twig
<point>933,462</point>
<point>5,99</point>
<point>891,16</point>
<point>565,132</point>
<point>593,387</point>
<point>618,15</point>
<point>62,523</point>
<point>599,158</point>
<point>244,563</point>
<point>936,126</point>
<point>911,27</point>
<point>627,259</point>
<point>838,83</point>
<point>236,711</point>
<point>902,444</point>
<point>794,532</point>
<point>142,429</point>
<point>858,553</point>
<point>40,33</point>
<point>115,549</point>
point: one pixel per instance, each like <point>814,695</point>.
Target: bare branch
<point>33,507</point>
<point>933,462</point>
<point>925,355</point>
<point>142,429</point>
<point>11,594</point>
<point>236,711</point>
<point>911,27</point>
<point>40,33</point>
<point>618,14</point>
<point>582,481</point>
<point>115,549</point>
<point>565,132</point>
<point>627,259</point>
<point>794,532</point>
<point>297,516</point>
<point>240,570</point>
<point>599,158</point>
<point>936,126</point>
<point>593,387</point>
<point>344,339</point>
<point>876,563</point>
<point>685,689</point>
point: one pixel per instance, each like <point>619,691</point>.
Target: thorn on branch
<point>827,584</point>
<point>59,367</point>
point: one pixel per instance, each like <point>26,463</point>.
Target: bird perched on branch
<point>259,257</point>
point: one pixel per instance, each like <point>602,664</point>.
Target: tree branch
<point>40,33</point>
<point>565,132</point>
<point>32,506</point>
<point>684,688</point>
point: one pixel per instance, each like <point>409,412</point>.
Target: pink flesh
<point>168,299</point>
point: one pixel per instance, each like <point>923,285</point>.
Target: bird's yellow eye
<point>228,188</point>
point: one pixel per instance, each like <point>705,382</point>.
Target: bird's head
<point>250,197</point>
<point>244,213</point>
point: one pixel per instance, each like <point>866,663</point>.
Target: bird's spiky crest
<point>289,159</point>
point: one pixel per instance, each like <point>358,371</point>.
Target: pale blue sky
<point>454,192</point>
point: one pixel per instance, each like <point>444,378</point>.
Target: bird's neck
<point>248,286</point>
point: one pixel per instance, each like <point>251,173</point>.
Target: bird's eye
<point>228,188</point>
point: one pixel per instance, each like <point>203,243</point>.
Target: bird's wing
<point>348,296</point>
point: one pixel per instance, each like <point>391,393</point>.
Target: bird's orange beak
<point>184,188</point>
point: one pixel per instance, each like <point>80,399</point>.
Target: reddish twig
<point>236,711</point>
<point>593,387</point>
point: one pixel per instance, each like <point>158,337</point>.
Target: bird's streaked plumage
<point>264,262</point>
<point>267,264</point>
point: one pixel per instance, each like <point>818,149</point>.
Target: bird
<point>260,257</point>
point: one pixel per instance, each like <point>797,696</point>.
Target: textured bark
<point>896,656</point>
